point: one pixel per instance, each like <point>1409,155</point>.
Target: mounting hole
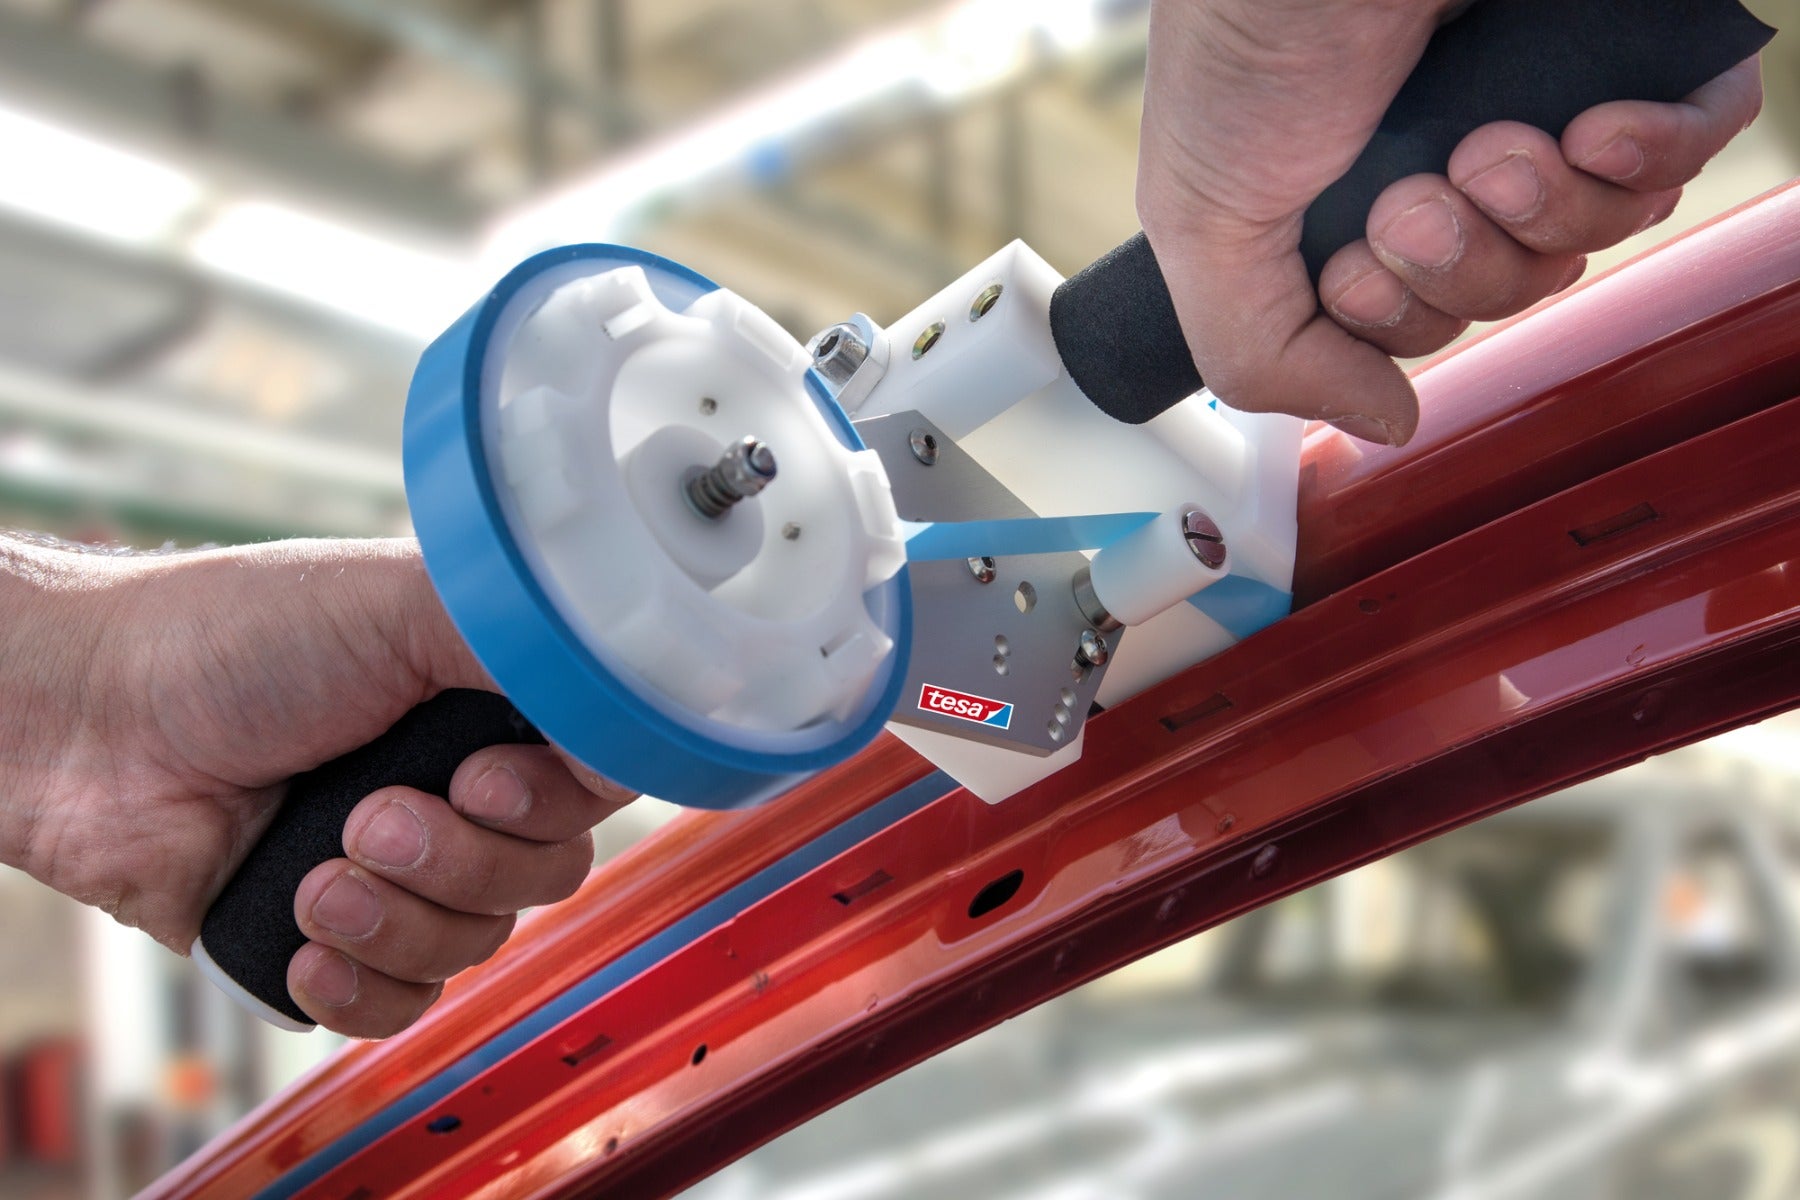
<point>1068,698</point>
<point>995,894</point>
<point>985,301</point>
<point>925,341</point>
<point>1025,599</point>
<point>708,406</point>
<point>1054,728</point>
<point>1001,665</point>
<point>444,1124</point>
<point>699,1054</point>
<point>1001,646</point>
<point>612,1144</point>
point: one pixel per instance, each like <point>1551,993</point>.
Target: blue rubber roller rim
<point>509,620</point>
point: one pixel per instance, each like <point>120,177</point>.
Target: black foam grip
<point>250,932</point>
<point>1538,61</point>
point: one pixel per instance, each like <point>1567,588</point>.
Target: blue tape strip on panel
<point>416,1103</point>
<point>1243,605</point>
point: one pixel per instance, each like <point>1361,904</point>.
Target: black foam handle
<point>250,932</point>
<point>1542,62</point>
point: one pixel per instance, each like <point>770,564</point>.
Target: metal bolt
<point>985,570</point>
<point>1203,538</point>
<point>1092,650</point>
<point>924,446</point>
<point>839,352</point>
<point>744,470</point>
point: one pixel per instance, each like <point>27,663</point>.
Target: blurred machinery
<point>227,228</point>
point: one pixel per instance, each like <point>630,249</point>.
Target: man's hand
<point>166,703</point>
<point>1253,107</point>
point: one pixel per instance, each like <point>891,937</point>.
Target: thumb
<point>1253,323</point>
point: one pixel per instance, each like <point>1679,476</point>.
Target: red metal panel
<point>1696,333</point>
<point>1536,598</point>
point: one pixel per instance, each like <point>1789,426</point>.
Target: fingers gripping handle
<point>1542,62</point>
<point>249,935</point>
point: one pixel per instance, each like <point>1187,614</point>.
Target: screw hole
<point>826,345</point>
<point>699,1054</point>
<point>708,406</point>
<point>1054,729</point>
<point>985,301</point>
<point>1025,599</point>
<point>1001,646</point>
<point>922,346</point>
<point>445,1124</point>
<point>996,894</point>
<point>1001,666</point>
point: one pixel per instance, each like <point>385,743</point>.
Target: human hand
<point>168,701</point>
<point>1253,107</point>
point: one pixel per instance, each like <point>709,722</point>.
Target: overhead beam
<point>435,34</point>
<point>236,144</point>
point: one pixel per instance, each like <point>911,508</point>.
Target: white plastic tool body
<point>995,383</point>
<point>754,626</point>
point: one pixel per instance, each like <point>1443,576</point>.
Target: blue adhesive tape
<point>1242,605</point>
<point>510,622</point>
<point>414,1105</point>
<point>926,542</point>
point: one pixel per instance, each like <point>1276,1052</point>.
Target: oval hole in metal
<point>995,894</point>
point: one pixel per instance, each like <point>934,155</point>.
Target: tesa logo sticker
<point>965,707</point>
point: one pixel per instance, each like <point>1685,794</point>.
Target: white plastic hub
<point>754,628</point>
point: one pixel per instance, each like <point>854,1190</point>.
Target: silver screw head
<point>985,570</point>
<point>1092,650</point>
<point>1203,538</point>
<point>924,446</point>
<point>839,352</point>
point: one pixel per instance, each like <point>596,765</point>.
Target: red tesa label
<point>965,707</point>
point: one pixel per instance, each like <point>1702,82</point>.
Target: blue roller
<point>512,625</point>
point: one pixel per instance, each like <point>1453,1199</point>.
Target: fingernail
<point>1376,299</point>
<point>499,795</point>
<point>348,908</point>
<point>1620,158</point>
<point>332,982</point>
<point>394,838</point>
<point>1510,189</point>
<point>1367,428</point>
<point>1425,235</point>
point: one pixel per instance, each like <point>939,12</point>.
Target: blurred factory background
<point>227,228</point>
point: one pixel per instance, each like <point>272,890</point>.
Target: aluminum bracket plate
<point>1003,630</point>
